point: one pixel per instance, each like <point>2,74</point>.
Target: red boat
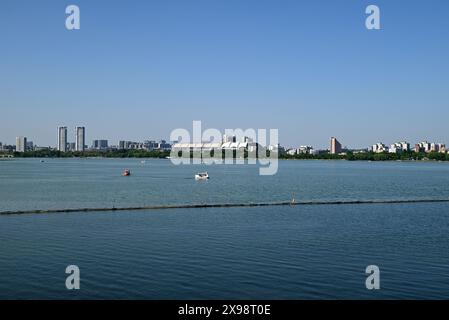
<point>126,173</point>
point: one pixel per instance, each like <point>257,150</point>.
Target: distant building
<point>425,146</point>
<point>227,138</point>
<point>100,144</point>
<point>121,145</point>
<point>230,146</point>
<point>37,148</point>
<point>80,134</point>
<point>248,146</point>
<point>395,148</point>
<point>30,146</point>
<point>132,145</point>
<point>8,148</point>
<point>379,148</point>
<point>21,144</point>
<point>62,139</point>
<point>146,145</point>
<point>359,151</point>
<point>335,146</point>
<point>150,145</point>
<point>276,148</point>
<point>405,146</point>
<point>399,147</point>
<point>438,147</point>
<point>163,145</point>
<point>418,148</point>
<point>430,147</point>
<point>71,146</point>
<point>305,150</point>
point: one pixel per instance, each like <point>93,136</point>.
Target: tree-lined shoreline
<point>349,156</point>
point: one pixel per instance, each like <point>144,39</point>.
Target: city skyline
<point>334,147</point>
<point>312,71</point>
<point>80,133</point>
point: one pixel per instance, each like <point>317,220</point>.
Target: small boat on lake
<point>202,176</point>
<point>126,173</point>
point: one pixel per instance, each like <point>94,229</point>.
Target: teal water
<point>78,183</point>
<point>304,252</point>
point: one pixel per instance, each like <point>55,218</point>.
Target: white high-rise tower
<point>62,139</point>
<point>80,134</point>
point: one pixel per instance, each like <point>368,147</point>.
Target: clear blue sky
<point>138,69</point>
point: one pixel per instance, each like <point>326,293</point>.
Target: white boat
<point>202,176</point>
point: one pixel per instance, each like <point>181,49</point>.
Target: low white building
<point>276,148</point>
<point>227,146</point>
<point>305,150</point>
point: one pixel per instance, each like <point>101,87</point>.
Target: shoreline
<point>283,159</point>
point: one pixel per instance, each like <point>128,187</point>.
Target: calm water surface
<point>263,253</point>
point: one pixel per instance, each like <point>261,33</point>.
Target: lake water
<point>300,252</point>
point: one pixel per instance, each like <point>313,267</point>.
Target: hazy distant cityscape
<point>23,144</point>
<point>78,144</point>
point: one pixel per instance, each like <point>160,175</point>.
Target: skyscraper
<point>80,138</point>
<point>62,139</point>
<point>335,146</point>
<point>21,144</point>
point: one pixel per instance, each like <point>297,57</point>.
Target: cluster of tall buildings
<point>398,147</point>
<point>80,136</point>
<point>430,147</point>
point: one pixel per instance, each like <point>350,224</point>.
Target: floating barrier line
<point>226,205</point>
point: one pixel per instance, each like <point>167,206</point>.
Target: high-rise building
<point>62,139</point>
<point>21,144</point>
<point>335,146</point>
<point>80,134</point>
